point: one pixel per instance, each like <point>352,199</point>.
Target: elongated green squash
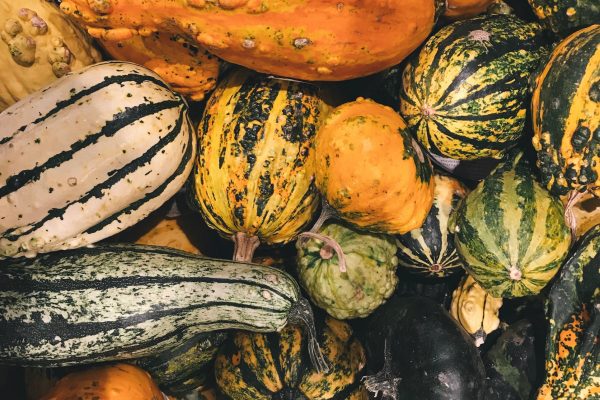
<point>118,302</point>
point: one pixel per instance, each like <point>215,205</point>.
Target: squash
<point>462,9</point>
<point>253,178</point>
<point>274,366</point>
<point>38,45</point>
<point>573,341</point>
<point>303,39</point>
<point>371,171</point>
<point>421,353</point>
<point>110,382</point>
<point>189,70</point>
<point>510,232</point>
<point>429,251</point>
<point>465,93</point>
<point>475,310</point>
<point>564,17</point>
<point>565,110</point>
<point>362,284</point>
<point>168,232</point>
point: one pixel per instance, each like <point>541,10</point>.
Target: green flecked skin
<point>566,16</point>
<point>464,94</point>
<point>573,309</point>
<point>370,276</point>
<point>510,232</point>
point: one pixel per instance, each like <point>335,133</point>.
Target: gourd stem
<point>327,212</point>
<point>383,381</point>
<point>244,246</point>
<point>570,220</point>
<point>302,314</point>
<point>328,242</point>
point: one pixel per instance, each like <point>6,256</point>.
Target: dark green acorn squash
<point>421,353</point>
<point>566,16</point>
<point>573,309</point>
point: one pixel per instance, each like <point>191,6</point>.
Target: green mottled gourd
<point>356,289</point>
<point>566,16</point>
<point>510,232</point>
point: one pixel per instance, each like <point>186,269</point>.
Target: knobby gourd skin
<point>565,110</point>
<point>566,16</point>
<point>38,44</point>
<point>304,39</point>
<point>462,9</point>
<point>370,169</point>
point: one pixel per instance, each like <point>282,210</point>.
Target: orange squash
<point>112,382</point>
<point>304,39</point>
<point>370,170</point>
<point>463,9</point>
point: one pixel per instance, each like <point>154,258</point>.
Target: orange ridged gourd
<point>370,170</point>
<point>304,39</point>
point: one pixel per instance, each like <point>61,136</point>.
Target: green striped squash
<point>510,232</point>
<point>566,16</point>
<point>429,251</point>
<point>464,94</point>
<point>254,171</point>
<point>116,302</point>
<point>565,110</point>
<point>88,156</point>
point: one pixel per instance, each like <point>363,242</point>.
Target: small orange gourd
<point>463,9</point>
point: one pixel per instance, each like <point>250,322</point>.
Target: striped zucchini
<point>510,232</point>
<point>464,94</point>
<point>116,302</point>
<point>89,156</point>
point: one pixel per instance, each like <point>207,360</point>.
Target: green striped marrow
<point>429,251</point>
<point>510,232</point>
<point>565,110</point>
<point>464,94</point>
<point>88,156</point>
<point>566,16</point>
<point>254,175</point>
<point>115,302</point>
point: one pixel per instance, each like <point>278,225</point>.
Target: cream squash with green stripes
<point>510,232</point>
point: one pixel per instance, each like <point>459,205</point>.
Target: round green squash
<point>566,16</point>
<point>464,94</point>
<point>565,110</point>
<point>510,232</point>
<point>369,277</point>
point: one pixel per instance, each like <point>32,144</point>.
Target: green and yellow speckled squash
<point>465,93</point>
<point>565,110</point>
<point>566,16</point>
<point>253,178</point>
<point>510,232</point>
<point>573,341</point>
<point>275,366</point>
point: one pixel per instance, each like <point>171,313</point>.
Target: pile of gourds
<point>264,199</point>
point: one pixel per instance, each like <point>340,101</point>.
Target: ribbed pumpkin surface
<point>566,114</point>
<point>510,232</point>
<point>566,16</point>
<point>464,94</point>
<point>254,172</point>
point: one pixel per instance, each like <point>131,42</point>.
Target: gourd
<point>370,170</point>
<point>510,232</point>
<point>254,366</point>
<point>465,93</point>
<point>38,45</point>
<point>169,233</point>
<point>88,156</point>
<point>429,251</point>
<point>253,178</point>
<point>357,287</point>
<point>461,9</point>
<point>110,382</point>
<point>475,310</point>
<point>565,110</point>
<point>573,310</point>
<point>566,16</point>
<point>189,70</point>
<point>309,40</point>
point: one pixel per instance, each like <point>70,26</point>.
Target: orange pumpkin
<point>109,382</point>
<point>370,170</point>
<point>304,39</point>
<point>463,9</point>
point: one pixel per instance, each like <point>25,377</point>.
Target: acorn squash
<point>566,16</point>
<point>370,170</point>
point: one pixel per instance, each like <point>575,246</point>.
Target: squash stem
<point>302,314</point>
<point>570,220</point>
<point>383,381</point>
<point>331,244</point>
<point>244,246</point>
<point>327,212</point>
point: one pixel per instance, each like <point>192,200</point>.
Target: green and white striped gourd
<point>115,302</point>
<point>88,156</point>
<point>510,232</point>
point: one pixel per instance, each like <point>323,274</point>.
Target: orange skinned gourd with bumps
<point>304,39</point>
<point>370,170</point>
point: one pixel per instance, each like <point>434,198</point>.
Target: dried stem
<point>329,242</point>
<point>244,246</point>
<point>301,314</point>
